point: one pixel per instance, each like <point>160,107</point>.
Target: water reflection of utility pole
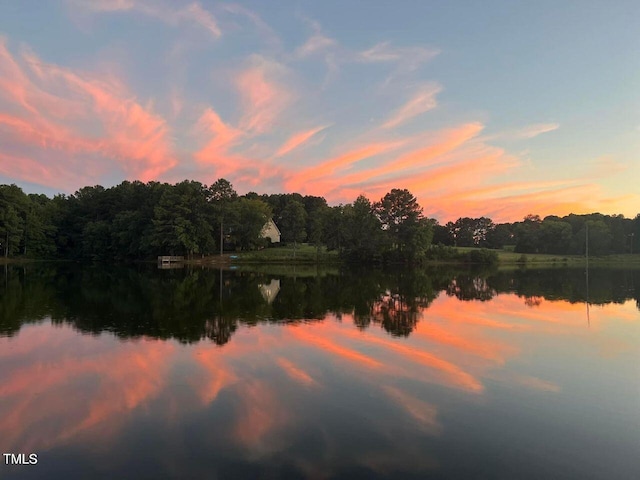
<point>587,272</point>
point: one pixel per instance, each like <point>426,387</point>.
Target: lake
<point>307,373</point>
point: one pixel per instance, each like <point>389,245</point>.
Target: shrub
<point>482,256</point>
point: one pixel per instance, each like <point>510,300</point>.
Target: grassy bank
<point>19,260</point>
<point>507,257</point>
<point>302,254</point>
<point>307,255</point>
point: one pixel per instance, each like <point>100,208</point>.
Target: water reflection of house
<point>270,290</point>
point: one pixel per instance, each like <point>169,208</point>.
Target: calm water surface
<point>142,373</point>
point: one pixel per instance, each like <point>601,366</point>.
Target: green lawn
<point>306,254</point>
<point>509,257</point>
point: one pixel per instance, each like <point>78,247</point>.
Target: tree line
<point>606,234</point>
<point>135,220</point>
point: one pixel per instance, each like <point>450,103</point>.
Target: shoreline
<point>284,256</point>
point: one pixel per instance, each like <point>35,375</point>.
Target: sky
<point>494,108</point>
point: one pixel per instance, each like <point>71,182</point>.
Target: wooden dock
<point>170,261</point>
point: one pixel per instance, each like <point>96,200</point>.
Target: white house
<point>271,231</point>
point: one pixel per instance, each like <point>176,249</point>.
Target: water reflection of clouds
<point>296,373</point>
<point>74,383</point>
<point>279,384</point>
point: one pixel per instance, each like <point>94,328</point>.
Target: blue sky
<point>479,108</point>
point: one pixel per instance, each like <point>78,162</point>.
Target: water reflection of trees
<point>471,287</point>
<point>191,305</point>
<point>605,285</point>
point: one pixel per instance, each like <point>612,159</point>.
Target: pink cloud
<point>422,101</point>
<point>33,171</point>
<point>263,98</point>
<point>451,159</point>
<point>297,140</point>
<point>223,136</point>
<point>300,180</point>
<point>444,142</point>
<point>46,108</point>
<point>218,151</point>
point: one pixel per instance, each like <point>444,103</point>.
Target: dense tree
<point>441,234</point>
<point>471,232</point>
<point>500,235</point>
<point>293,220</point>
<point>334,228</point>
<point>13,208</point>
<point>363,237</point>
<point>527,233</point>
<point>39,231</point>
<point>250,218</point>
<point>401,218</point>
<point>315,208</point>
<point>221,191</point>
<point>634,234</point>
<point>26,223</point>
<point>181,220</point>
<point>221,196</point>
<point>554,237</point>
<point>598,236</point>
<point>10,229</point>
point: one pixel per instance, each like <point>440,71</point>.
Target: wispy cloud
<point>45,109</point>
<point>315,44</point>
<point>298,139</point>
<point>106,5</point>
<point>421,157</point>
<point>221,136</point>
<point>263,97</point>
<point>267,33</point>
<point>192,14</point>
<point>409,57</point>
<point>527,132</point>
<point>221,151</point>
<point>300,180</point>
<point>423,100</point>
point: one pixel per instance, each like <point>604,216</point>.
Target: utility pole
<point>587,242</point>
<point>221,240</point>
